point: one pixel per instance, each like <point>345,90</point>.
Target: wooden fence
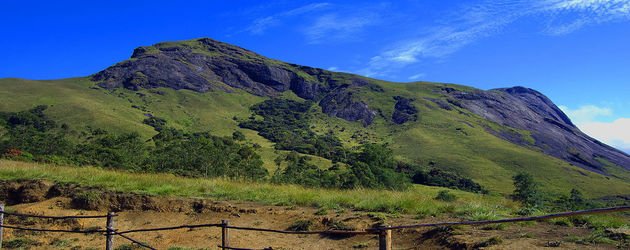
<point>384,233</point>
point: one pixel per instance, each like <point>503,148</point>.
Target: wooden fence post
<point>109,243</point>
<point>385,239</point>
<point>225,240</point>
<point>1,223</point>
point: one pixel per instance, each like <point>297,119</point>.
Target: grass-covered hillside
<point>339,114</point>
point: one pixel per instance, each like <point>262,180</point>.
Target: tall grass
<point>417,200</point>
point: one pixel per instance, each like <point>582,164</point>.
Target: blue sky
<point>577,52</point>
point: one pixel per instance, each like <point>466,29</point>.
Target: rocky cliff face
<point>552,130</point>
<point>404,110</point>
<point>205,65</point>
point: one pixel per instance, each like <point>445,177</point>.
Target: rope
<point>369,231</point>
<point>54,217</point>
<point>519,219</point>
<point>137,242</point>
<point>167,228</point>
<point>54,230</point>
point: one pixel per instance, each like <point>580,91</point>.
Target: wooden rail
<point>384,233</point>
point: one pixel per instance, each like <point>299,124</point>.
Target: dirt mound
<point>88,198</point>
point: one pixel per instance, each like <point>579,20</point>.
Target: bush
<point>20,243</point>
<point>445,195</point>
<point>300,225</point>
<point>526,190</point>
<point>440,178</point>
<point>157,123</point>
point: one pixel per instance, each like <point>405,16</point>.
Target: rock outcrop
<point>205,65</point>
<point>404,110</point>
<point>552,130</point>
<point>342,104</point>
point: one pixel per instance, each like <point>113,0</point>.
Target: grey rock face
<point>207,65</point>
<point>341,104</point>
<point>552,130</point>
<point>404,110</point>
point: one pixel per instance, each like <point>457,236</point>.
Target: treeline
<point>527,191</point>
<point>287,124</point>
<point>33,136</point>
<point>372,167</point>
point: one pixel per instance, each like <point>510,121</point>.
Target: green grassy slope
<point>417,200</point>
<point>454,140</point>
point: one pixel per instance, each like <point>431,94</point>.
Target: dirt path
<point>138,211</point>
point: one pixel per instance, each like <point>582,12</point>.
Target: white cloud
<point>473,22</point>
<point>586,113</point>
<point>337,27</point>
<point>584,13</point>
<point>417,76</point>
<point>615,133</point>
<point>260,25</point>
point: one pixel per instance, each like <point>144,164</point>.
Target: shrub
<point>526,190</point>
<point>445,195</point>
<point>238,136</point>
<point>157,123</point>
<point>441,178</point>
<point>300,225</point>
<point>20,243</point>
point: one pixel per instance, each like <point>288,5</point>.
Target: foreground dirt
<point>139,211</point>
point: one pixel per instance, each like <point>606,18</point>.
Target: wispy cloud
<point>473,22</point>
<point>584,13</point>
<point>260,25</point>
<point>335,26</point>
<point>417,76</point>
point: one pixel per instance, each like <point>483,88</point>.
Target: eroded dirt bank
<point>142,211</point>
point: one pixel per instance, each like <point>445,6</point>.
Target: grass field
<point>418,200</point>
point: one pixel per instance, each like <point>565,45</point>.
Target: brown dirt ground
<point>175,211</point>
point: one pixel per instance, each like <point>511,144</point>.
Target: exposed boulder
<point>552,130</point>
<point>404,110</point>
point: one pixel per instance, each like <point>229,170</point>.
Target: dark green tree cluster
<point>33,136</point>
<point>286,122</point>
<point>527,191</point>
<point>203,155</point>
<point>100,148</point>
<point>574,201</point>
<point>437,177</point>
<point>372,167</point>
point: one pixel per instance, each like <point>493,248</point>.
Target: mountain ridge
<point>262,76</point>
<point>204,84</point>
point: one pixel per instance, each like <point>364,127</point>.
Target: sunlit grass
<point>417,200</point>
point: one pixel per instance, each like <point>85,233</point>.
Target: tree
<point>238,136</point>
<point>526,190</point>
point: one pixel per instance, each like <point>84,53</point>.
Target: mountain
<point>205,84</point>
